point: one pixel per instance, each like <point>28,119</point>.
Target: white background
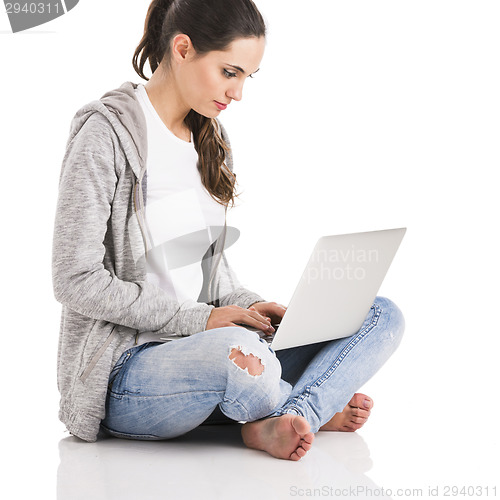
<point>365,115</point>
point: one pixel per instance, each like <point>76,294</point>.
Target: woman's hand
<point>237,316</point>
<point>271,310</point>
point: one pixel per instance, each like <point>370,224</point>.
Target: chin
<point>213,113</point>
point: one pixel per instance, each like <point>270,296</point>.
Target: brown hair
<point>211,25</point>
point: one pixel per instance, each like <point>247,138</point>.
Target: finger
<point>256,315</point>
<point>254,319</point>
<point>276,310</point>
<point>252,308</point>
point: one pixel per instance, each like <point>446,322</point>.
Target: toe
<point>354,426</point>
<point>361,401</point>
<point>301,426</point>
<point>307,446</point>
<point>359,412</point>
<point>359,420</point>
<point>308,438</point>
<point>298,454</point>
<point>347,428</point>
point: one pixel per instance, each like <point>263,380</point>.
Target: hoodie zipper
<point>139,211</point>
<point>97,356</point>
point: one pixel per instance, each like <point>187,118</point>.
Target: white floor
<point>420,442</point>
<point>208,463</point>
<point>211,463</point>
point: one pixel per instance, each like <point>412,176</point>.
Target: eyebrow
<point>238,68</point>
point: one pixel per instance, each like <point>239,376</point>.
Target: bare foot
<point>288,436</point>
<point>352,417</point>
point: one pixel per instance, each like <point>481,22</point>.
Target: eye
<point>228,74</point>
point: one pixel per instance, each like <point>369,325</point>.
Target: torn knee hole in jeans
<point>246,361</point>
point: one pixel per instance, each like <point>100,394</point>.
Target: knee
<point>255,370</point>
<point>247,351</point>
<point>248,362</point>
<point>252,355</point>
<point>261,384</point>
<point>393,319</point>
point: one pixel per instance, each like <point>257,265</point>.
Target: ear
<point>182,48</point>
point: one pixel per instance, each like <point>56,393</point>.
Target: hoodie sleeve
<point>81,280</point>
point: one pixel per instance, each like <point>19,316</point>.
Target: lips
<point>221,105</point>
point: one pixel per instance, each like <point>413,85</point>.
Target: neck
<point>165,98</point>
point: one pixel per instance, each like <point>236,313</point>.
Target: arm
<point>90,173</point>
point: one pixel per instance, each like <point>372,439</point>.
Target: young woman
<point>153,340</point>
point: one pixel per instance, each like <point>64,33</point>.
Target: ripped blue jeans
<point>160,391</point>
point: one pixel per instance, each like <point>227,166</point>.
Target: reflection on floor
<point>210,463</point>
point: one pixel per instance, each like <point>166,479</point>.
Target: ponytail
<point>201,21</point>
<point>152,45</point>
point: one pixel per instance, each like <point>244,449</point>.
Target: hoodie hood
<point>122,109</point>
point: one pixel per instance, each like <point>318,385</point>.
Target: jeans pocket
<point>120,363</point>
<point>124,358</point>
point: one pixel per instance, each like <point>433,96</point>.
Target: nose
<point>235,92</point>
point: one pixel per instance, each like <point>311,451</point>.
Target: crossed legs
<point>163,391</point>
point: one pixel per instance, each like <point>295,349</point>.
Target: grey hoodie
<point>99,271</point>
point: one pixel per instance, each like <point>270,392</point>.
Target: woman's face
<point>210,82</point>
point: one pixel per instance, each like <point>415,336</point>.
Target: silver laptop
<point>337,288</point>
